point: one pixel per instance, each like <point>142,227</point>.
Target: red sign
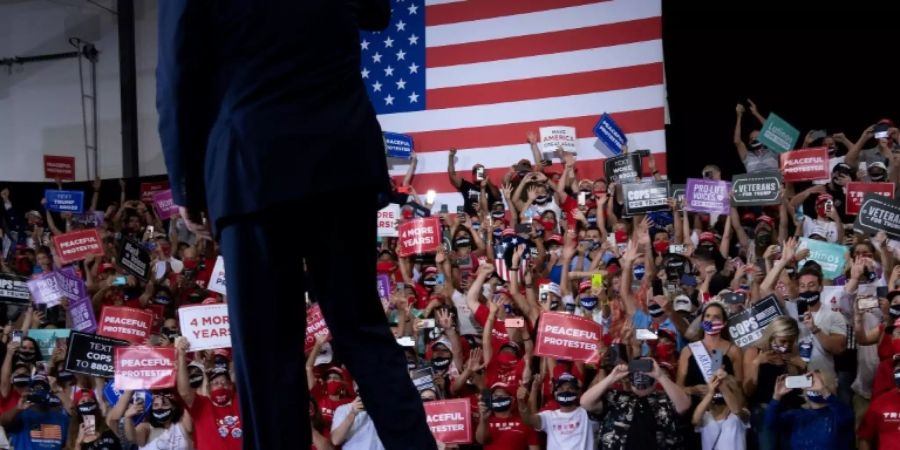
<point>419,236</point>
<point>148,189</point>
<point>450,420</point>
<point>564,336</point>
<point>127,324</point>
<point>315,326</point>
<point>144,368</point>
<point>75,246</point>
<point>856,190</point>
<point>62,167</point>
<point>806,164</point>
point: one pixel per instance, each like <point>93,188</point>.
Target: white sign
<point>217,279</point>
<point>387,220</point>
<point>558,136</point>
<point>205,326</point>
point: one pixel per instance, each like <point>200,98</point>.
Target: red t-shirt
<point>499,336</point>
<point>327,406</point>
<point>496,373</point>
<point>884,378</point>
<point>217,427</point>
<point>510,433</point>
<point>10,401</point>
<point>882,421</point>
<point>886,346</point>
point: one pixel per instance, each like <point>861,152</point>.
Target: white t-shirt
<point>826,228</point>
<point>830,322</point>
<point>362,435</point>
<point>729,434</point>
<point>568,431</point>
<point>467,324</point>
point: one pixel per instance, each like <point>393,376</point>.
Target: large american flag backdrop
<point>479,74</point>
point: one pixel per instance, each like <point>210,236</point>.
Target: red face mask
<point>221,396</point>
<point>621,236</point>
<point>820,210</point>
<point>664,351</point>
<point>334,387</point>
<point>506,359</point>
<point>661,246</point>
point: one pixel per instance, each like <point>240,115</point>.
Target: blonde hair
<point>828,379</point>
<point>782,326</point>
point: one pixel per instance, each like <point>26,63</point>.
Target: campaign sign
<point>398,145</point>
<point>423,378</point>
<point>150,188</point>
<point>81,311</point>
<point>134,258</point>
<point>808,164</point>
<point>47,339</point>
<point>91,354</point>
<point>642,198</point>
<point>64,201</point>
<point>856,190</point>
<point>879,214</point>
<point>419,236</point>
<point>217,278</point>
<point>387,220</point>
<point>756,189</point>
<point>315,326</point>
<point>14,289</point>
<point>707,196</point>
<point>61,167</point>
<point>384,285</point>
<point>165,206</point>
<point>830,256</point>
<point>623,168</point>
<point>144,368</point>
<point>77,245</point>
<point>777,134</point>
<point>45,289</point>
<point>569,337</point>
<point>610,134</point>
<point>129,324</point>
<point>559,136</point>
<point>450,420</point>
<point>747,326</point>
<point>205,326</point>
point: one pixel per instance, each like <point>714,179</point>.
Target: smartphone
<point>41,307</point>
<point>656,284</point>
<point>881,131</point>
<point>640,365</point>
<point>865,303</point>
<point>460,209</point>
<point>427,323</point>
<point>523,228</point>
<point>716,357</point>
<point>401,287</point>
<point>138,398</point>
<point>597,281</point>
<point>444,209</point>
<point>828,206</point>
<point>429,196</point>
<point>17,335</point>
<point>119,281</point>
<point>798,382</point>
<point>676,249</point>
<point>643,334</point>
<point>582,198</point>
<point>486,397</point>
<point>90,424</point>
<point>514,322</point>
<point>479,173</point>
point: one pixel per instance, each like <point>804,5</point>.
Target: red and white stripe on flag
<point>498,69</point>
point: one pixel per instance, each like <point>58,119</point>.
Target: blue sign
<point>64,201</point>
<point>610,134</point>
<point>398,145</point>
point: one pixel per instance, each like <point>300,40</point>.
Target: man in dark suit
<point>263,114</point>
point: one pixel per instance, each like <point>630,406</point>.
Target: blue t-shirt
<point>40,430</point>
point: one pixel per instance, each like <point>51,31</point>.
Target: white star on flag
<point>412,9</point>
<point>376,57</point>
<point>365,73</point>
<point>377,86</point>
<point>401,26</point>
<point>413,68</point>
<point>388,42</point>
<point>365,44</point>
<point>389,100</point>
<point>401,55</point>
<point>413,39</point>
<point>388,71</point>
<point>401,84</point>
<point>414,98</point>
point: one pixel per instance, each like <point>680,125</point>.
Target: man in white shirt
<point>567,428</point>
<point>820,327</point>
<point>353,429</point>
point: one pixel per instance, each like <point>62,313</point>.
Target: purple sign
<point>164,204</point>
<point>45,289</point>
<point>82,313</point>
<point>70,284</point>
<point>384,286</point>
<point>707,196</point>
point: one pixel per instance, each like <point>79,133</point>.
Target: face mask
<point>64,376</point>
<point>565,398</point>
<point>661,247</point>
<point>440,363</point>
<point>333,387</point>
<point>712,327</point>
<point>554,304</point>
<point>498,234</point>
<point>88,408</point>
<point>641,381</point>
<point>542,199</point>
<point>815,397</point>
<point>506,359</point>
<point>810,297</point>
<point>161,299</point>
<point>196,380</point>
<point>756,145</point>
<point>664,351</point>
<point>498,214</point>
<point>410,365</point>
<point>169,333</point>
<point>501,404</point>
<point>21,381</point>
<point>894,312</point>
<point>655,310</point>
<point>588,303</point>
<point>897,378</point>
<point>718,399</point>
<point>161,415</point>
<point>27,356</point>
<point>462,242</point>
<point>781,349</point>
<point>221,396</point>
<point>832,150</point>
<point>638,272</point>
<point>429,282</point>
<point>763,239</point>
<point>39,397</point>
<point>878,175</point>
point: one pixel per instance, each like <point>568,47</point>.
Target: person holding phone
<point>472,190</point>
<point>823,422</point>
<point>37,417</point>
<point>166,426</point>
<point>639,405</point>
<point>89,430</point>
<point>722,417</point>
<point>498,428</point>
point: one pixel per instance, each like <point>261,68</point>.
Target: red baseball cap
<point>708,236</point>
<point>554,238</point>
<point>764,218</point>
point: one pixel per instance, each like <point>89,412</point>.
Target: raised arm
<point>183,382</point>
<point>451,169</point>
<point>413,162</point>
<point>95,197</point>
<point>755,111</point>
<point>474,294</point>
<point>738,141</point>
<point>590,400</point>
<point>852,158</point>
<point>535,151</point>
<point>525,398</point>
<point>627,260</point>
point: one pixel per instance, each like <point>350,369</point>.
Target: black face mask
<point>21,381</point>
<point>542,199</point>
<point>498,234</point>
<point>462,242</point>
<point>894,312</point>
<point>196,380</point>
<point>501,404</point>
<point>440,363</point>
<point>641,381</point>
<point>27,356</point>
<point>87,409</point>
<point>565,398</point>
<point>763,239</point>
<point>410,365</point>
<point>718,399</point>
<point>64,376</point>
<point>897,378</point>
<point>655,310</point>
<point>554,304</point>
<point>755,145</point>
<point>161,415</point>
<point>810,297</point>
<point>429,283</point>
<point>169,333</point>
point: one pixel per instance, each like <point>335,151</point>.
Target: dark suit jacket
<point>262,101</point>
